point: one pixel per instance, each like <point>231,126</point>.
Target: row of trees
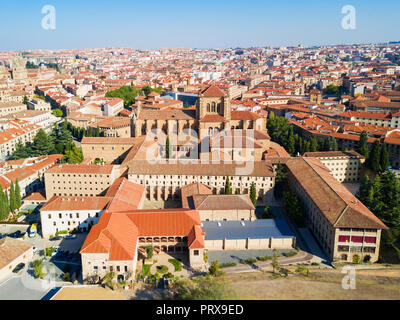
<point>281,132</point>
<point>10,203</point>
<point>59,141</point>
<point>377,159</point>
<point>382,196</point>
<point>253,190</point>
<point>78,133</point>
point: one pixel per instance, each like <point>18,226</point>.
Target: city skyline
<point>156,24</point>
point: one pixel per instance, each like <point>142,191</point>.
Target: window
<point>196,252</point>
<point>357,239</point>
<point>118,268</point>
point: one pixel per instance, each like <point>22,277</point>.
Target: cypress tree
<point>17,194</point>
<point>167,149</point>
<point>13,204</point>
<point>313,143</point>
<point>363,144</point>
<point>384,162</point>
<point>228,189</point>
<point>253,194</point>
<point>4,211</point>
<point>237,191</point>
<point>375,157</point>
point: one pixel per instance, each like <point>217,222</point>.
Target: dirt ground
<point>87,293</point>
<point>321,284</point>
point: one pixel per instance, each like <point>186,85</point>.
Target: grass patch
<point>176,263</point>
<point>162,269</point>
<point>227,264</point>
<point>146,269</point>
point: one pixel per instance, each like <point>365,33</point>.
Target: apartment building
<point>39,105</point>
<point>11,107</point>
<point>72,212</point>
<point>344,165</point>
<point>111,150</point>
<point>79,180</point>
<point>17,131</point>
<point>341,223</point>
<point>164,180</point>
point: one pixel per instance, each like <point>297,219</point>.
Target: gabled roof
<point>10,249</point>
<point>222,202</point>
<point>126,195</point>
<point>213,91</point>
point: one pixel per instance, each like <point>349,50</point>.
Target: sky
<point>151,24</point>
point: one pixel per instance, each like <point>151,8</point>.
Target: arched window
<point>213,107</point>
<point>208,107</point>
<point>219,108</point>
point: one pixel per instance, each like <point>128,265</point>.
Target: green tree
<point>26,100</point>
<point>375,157</point>
<point>313,144</point>
<point>42,144</point>
<point>275,262</point>
<point>363,144</point>
<point>4,209</point>
<point>18,200</point>
<point>237,191</point>
<point>13,200</point>
<point>57,112</point>
<point>294,208</point>
<point>214,269</point>
<point>253,194</point>
<point>228,189</point>
<point>366,191</point>
<point>20,152</point>
<point>332,89</point>
<point>384,161</point>
<point>167,149</point>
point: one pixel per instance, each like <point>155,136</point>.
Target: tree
<point>313,144</point>
<point>275,263</point>
<point>20,152</point>
<point>366,191</point>
<point>167,149</point>
<point>228,189</point>
<point>294,207</point>
<point>375,157</point>
<point>253,194</point>
<point>18,201</point>
<point>332,89</point>
<point>13,200</point>
<point>384,161</point>
<point>149,251</point>
<point>57,112</point>
<point>237,191</point>
<point>268,214</point>
<point>26,100</point>
<point>42,144</point>
<point>363,144</point>
<point>4,209</point>
<point>214,269</point>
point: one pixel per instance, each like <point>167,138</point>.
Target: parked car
<point>55,238</point>
<point>19,267</point>
<point>34,249</point>
<point>16,234</point>
<point>70,237</point>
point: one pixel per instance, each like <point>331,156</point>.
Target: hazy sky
<point>194,23</point>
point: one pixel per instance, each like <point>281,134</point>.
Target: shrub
<point>38,269</point>
<point>315,264</point>
<point>66,277</point>
<point>214,269</point>
<point>162,269</point>
<point>61,232</point>
<point>264,258</point>
<point>227,264</point>
<point>356,259</point>
<point>149,251</point>
<point>289,254</point>
<point>176,263</point>
<point>249,261</point>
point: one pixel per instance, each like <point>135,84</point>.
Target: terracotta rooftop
<point>340,207</point>
<point>10,249</point>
